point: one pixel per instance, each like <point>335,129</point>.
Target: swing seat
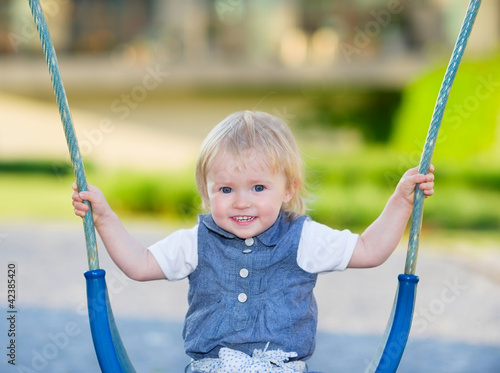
<point>390,351</point>
<point>110,352</point>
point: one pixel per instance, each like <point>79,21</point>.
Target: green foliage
<point>173,195</point>
<point>38,166</point>
<point>346,191</point>
<point>351,192</point>
<point>470,121</point>
<point>371,112</point>
<point>462,208</point>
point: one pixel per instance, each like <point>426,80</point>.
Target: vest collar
<point>269,237</point>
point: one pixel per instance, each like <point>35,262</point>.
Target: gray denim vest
<point>245,293</point>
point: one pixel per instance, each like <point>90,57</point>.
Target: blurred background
<point>355,80</point>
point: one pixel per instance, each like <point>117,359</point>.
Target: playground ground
<point>456,326</point>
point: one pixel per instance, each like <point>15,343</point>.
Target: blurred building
<point>293,34</point>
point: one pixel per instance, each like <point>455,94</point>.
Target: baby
<point>253,259</point>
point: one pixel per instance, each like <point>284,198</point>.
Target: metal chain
<point>69,131</point>
<point>430,142</point>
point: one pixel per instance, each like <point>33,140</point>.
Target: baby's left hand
<point>406,186</point>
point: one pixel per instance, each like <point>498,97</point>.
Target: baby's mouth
<point>243,219</point>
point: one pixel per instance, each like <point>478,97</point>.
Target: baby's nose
<point>242,201</point>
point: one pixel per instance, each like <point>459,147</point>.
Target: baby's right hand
<point>99,204</point>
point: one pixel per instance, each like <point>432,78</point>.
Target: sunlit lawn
<point>31,196</point>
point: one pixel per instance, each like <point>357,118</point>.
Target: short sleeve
<point>177,254</point>
<point>324,249</point>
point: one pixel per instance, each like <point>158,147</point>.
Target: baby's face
<point>245,195</point>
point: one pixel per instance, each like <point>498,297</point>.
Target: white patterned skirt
<point>261,361</point>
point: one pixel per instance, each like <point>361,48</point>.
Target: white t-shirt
<point>321,249</point>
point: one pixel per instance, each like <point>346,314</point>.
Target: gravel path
<point>456,325</point>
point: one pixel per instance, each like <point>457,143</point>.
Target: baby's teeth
<point>243,218</point>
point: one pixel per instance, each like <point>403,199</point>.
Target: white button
<point>242,297</point>
<point>249,241</point>
<point>244,272</point>
<point>247,251</point>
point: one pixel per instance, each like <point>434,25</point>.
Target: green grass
<point>345,190</point>
<point>35,196</point>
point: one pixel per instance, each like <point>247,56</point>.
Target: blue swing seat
<point>110,352</point>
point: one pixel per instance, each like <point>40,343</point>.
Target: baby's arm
<point>135,260</point>
<point>380,239</point>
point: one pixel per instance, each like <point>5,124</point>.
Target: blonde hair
<point>269,137</point>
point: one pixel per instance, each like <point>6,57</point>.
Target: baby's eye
<point>259,188</point>
<point>226,190</point>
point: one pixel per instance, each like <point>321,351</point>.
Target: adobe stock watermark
<point>122,107</point>
<point>230,11</point>
<point>393,351</point>
<point>324,253</point>
<point>89,139</point>
<point>426,315</point>
<point>364,35</point>
<point>116,282</point>
<point>284,114</point>
<point>422,318</point>
<point>405,163</point>
<point>59,341</point>
<point>461,111</point>
<point>28,30</point>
